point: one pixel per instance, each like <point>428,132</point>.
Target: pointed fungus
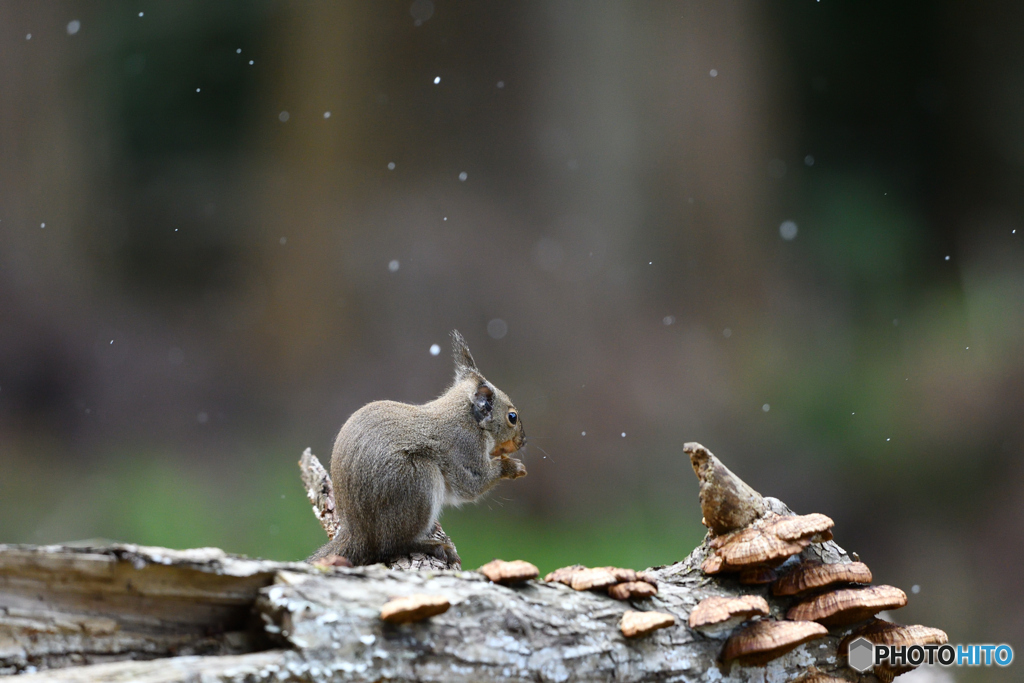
<point>727,502</point>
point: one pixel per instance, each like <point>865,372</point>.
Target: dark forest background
<point>791,231</point>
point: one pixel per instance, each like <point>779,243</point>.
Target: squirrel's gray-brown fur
<point>395,465</point>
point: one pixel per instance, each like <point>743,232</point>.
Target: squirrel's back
<point>383,426</point>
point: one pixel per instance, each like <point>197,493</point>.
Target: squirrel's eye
<point>512,417</point>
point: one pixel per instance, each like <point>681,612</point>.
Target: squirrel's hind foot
<point>442,549</point>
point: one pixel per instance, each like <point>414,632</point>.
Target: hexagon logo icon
<point>862,654</point>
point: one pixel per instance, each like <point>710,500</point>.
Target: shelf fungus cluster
<point>761,542</point>
<point>618,582</point>
<point>764,583</point>
<point>754,551</point>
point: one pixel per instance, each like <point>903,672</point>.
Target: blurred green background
<point>790,231</point>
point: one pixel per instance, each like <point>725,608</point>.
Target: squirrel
<point>395,465</point>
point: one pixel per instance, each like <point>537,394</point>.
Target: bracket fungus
<point>718,615</point>
<point>621,573</point>
<point>647,577</point>
<point>621,583</point>
<point>563,575</point>
<point>517,571</point>
<point>767,542</point>
<point>758,575</point>
<point>632,590</point>
<point>848,605</point>
<point>881,632</point>
<point>412,608</point>
<point>595,577</point>
<point>814,527</point>
<point>636,624</point>
<point>763,641</point>
<point>811,576</point>
<point>588,578</point>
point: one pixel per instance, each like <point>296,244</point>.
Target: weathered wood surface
<point>320,493</point>
<point>63,606</point>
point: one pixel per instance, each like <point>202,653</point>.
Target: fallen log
<point>131,613</point>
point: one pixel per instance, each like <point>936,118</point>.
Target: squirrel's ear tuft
<point>464,363</point>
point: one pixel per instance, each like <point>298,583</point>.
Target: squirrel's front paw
<point>512,468</point>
